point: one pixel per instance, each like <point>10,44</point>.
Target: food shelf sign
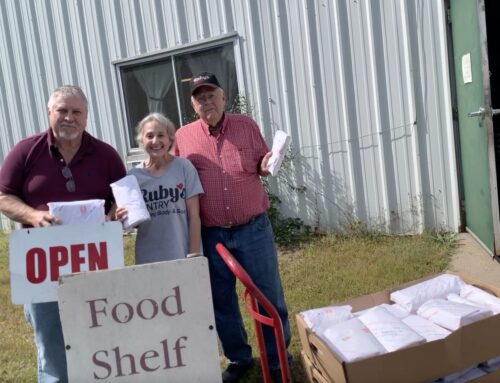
<point>146,323</point>
<point>39,256</point>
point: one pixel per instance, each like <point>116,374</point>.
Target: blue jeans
<point>253,247</point>
<point>47,330</point>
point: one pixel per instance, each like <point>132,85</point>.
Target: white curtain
<point>155,81</point>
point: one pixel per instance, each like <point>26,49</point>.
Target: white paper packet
<point>395,309</point>
<point>412,297</point>
<point>451,315</point>
<point>457,298</point>
<point>480,296</point>
<point>351,340</point>
<point>127,194</point>
<point>280,145</point>
<point>78,212</point>
<point>429,330</point>
<point>390,331</point>
<point>318,320</point>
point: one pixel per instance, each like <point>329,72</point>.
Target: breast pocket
<point>243,160</point>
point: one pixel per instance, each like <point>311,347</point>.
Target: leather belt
<point>240,225</point>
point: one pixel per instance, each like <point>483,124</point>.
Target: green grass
<point>317,272</point>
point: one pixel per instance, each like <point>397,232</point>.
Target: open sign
<point>38,257</point>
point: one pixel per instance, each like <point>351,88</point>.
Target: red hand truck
<point>253,297</point>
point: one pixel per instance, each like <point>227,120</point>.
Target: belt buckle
<point>229,227</point>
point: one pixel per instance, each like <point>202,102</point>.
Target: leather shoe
<point>235,371</point>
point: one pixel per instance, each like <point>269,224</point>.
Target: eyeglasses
<point>70,182</point>
<point>205,97</point>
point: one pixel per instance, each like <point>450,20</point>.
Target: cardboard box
<point>462,349</point>
<point>308,366</point>
<point>313,374</point>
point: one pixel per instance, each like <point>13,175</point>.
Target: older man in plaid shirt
<point>230,154</point>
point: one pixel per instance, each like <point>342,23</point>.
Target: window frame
<point>135,155</point>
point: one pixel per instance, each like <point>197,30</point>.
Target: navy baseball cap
<point>203,79</point>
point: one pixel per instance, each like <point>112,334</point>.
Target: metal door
<point>468,25</point>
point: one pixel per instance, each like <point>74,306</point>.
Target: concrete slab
<point>472,260</point>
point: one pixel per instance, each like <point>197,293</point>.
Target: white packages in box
<point>412,297</point>
<point>429,330</point>
<point>390,331</point>
<point>395,309</point>
<point>351,340</point>
<point>127,194</point>
<point>451,315</point>
<point>78,212</point>
<point>458,299</point>
<point>480,296</point>
<point>280,146</point>
<point>318,320</point>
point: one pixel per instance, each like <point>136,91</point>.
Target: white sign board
<point>147,323</point>
<point>38,256</point>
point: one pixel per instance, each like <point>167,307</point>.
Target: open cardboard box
<point>313,374</point>
<point>464,348</point>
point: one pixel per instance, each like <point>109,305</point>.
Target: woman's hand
<point>121,214</point>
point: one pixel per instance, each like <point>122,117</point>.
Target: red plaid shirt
<point>227,166</point>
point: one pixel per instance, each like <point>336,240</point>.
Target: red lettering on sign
<point>123,312</point>
<point>98,260</point>
<point>76,259</point>
<point>94,311</point>
<point>36,265</point>
<point>37,262</point>
<point>58,257</point>
<point>122,316</point>
<point>125,364</point>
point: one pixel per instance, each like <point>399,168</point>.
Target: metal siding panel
<point>442,185</point>
<point>397,113</point>
<point>363,130</point>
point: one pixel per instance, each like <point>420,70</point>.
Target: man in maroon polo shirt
<point>230,155</point>
<point>64,163</point>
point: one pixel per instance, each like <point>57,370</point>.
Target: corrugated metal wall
<point>362,86</point>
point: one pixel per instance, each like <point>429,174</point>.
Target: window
<point>161,84</point>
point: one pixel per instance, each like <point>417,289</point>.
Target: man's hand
<point>263,166</point>
<point>14,208</point>
<point>41,218</point>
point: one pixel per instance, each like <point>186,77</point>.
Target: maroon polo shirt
<point>32,171</point>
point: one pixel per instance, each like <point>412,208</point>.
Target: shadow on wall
<point>326,202</point>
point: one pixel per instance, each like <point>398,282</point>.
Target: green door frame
<point>477,148</point>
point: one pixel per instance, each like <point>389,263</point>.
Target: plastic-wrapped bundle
<point>390,331</point>
<point>477,295</point>
<point>451,315</point>
<point>412,297</point>
<point>351,340</point>
<point>318,320</point>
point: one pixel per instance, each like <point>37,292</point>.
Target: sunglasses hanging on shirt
<point>70,182</point>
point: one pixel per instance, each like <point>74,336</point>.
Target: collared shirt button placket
<point>221,163</point>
